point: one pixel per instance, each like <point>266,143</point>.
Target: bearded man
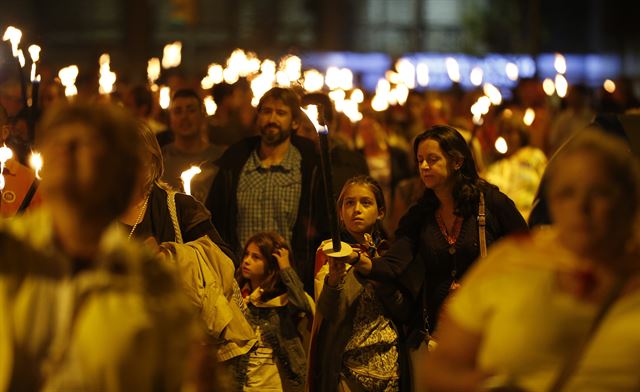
<point>272,182</point>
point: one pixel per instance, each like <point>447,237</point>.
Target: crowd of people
<point>112,278</point>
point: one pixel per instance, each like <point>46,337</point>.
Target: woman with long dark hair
<point>440,236</point>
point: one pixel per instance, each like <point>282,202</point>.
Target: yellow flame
<point>35,161</point>
<point>5,154</point>
<point>153,69</point>
<point>172,55</point>
<point>34,52</point>
<point>529,117</point>
<point>260,85</point>
<point>107,78</point>
<point>313,80</point>
<point>210,105</point>
<point>407,72</point>
<point>476,76</point>
<point>493,93</point>
<point>609,85</point>
<point>351,110</point>
<point>453,69</point>
<point>512,71</point>
<point>561,85</point>
<point>13,35</point>
<point>549,87</point>
<point>215,72</point>
<point>501,145</point>
<point>187,176</point>
<point>339,78</point>
<point>21,58</point>
<point>422,74</point>
<point>292,67</point>
<point>560,63</point>
<point>311,111</point>
<point>165,97</point>
<point>68,77</point>
<point>230,75</point>
<point>357,96</point>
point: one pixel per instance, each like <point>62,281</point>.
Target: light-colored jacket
<point>207,275</point>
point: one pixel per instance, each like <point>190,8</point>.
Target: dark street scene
<point>319,196</point>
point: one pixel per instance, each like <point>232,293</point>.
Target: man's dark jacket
<point>311,226</point>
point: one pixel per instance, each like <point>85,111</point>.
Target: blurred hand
<point>337,271</point>
<point>282,256</point>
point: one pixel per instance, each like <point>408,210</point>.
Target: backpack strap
<point>171,204</point>
<point>482,223</point>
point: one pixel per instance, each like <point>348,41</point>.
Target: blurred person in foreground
<point>561,301</point>
<point>83,308</point>
<point>180,227</point>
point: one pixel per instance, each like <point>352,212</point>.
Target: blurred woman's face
<point>588,207</point>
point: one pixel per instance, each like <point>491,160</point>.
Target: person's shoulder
<point>238,153</point>
<point>494,196</point>
<point>305,145</point>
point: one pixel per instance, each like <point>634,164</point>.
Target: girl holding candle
<point>357,345</point>
<point>277,305</point>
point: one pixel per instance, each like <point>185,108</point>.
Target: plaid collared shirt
<point>268,197</point>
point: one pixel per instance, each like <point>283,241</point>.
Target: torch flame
<point>35,161</point>
<point>153,69</point>
<point>529,117</point>
<point>549,87</point>
<point>476,76</point>
<point>407,72</point>
<point>21,58</point>
<point>68,77</point>
<point>561,85</point>
<point>312,113</point>
<point>165,97</point>
<point>172,55</point>
<point>107,78</point>
<point>186,177</point>
<point>512,71</point>
<point>560,64</point>
<point>313,80</point>
<point>210,105</point>
<point>14,36</point>
<point>453,69</point>
<point>5,155</point>
<point>34,52</point>
<point>422,74</point>
<point>501,145</point>
<point>609,85</point>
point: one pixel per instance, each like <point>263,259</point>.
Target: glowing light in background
<point>453,69</point>
<point>210,105</point>
<point>549,87</point>
<point>313,81</point>
<point>107,78</point>
<point>172,55</point>
<point>153,70</point>
<point>512,71</point>
<point>529,117</point>
<point>422,74</point>
<point>561,86</point>
<point>609,85</point>
<point>476,76</point>
<point>35,161</point>
<point>68,77</point>
<point>501,145</point>
<point>186,177</point>
<point>165,97</point>
<point>560,63</point>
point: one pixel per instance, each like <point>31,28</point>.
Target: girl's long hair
<point>467,184</point>
<point>267,242</point>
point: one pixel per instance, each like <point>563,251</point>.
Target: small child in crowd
<point>278,307</point>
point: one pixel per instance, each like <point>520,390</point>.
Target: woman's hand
<point>337,271</point>
<point>363,265</point>
<point>282,257</point>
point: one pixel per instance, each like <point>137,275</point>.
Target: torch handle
<point>327,177</point>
